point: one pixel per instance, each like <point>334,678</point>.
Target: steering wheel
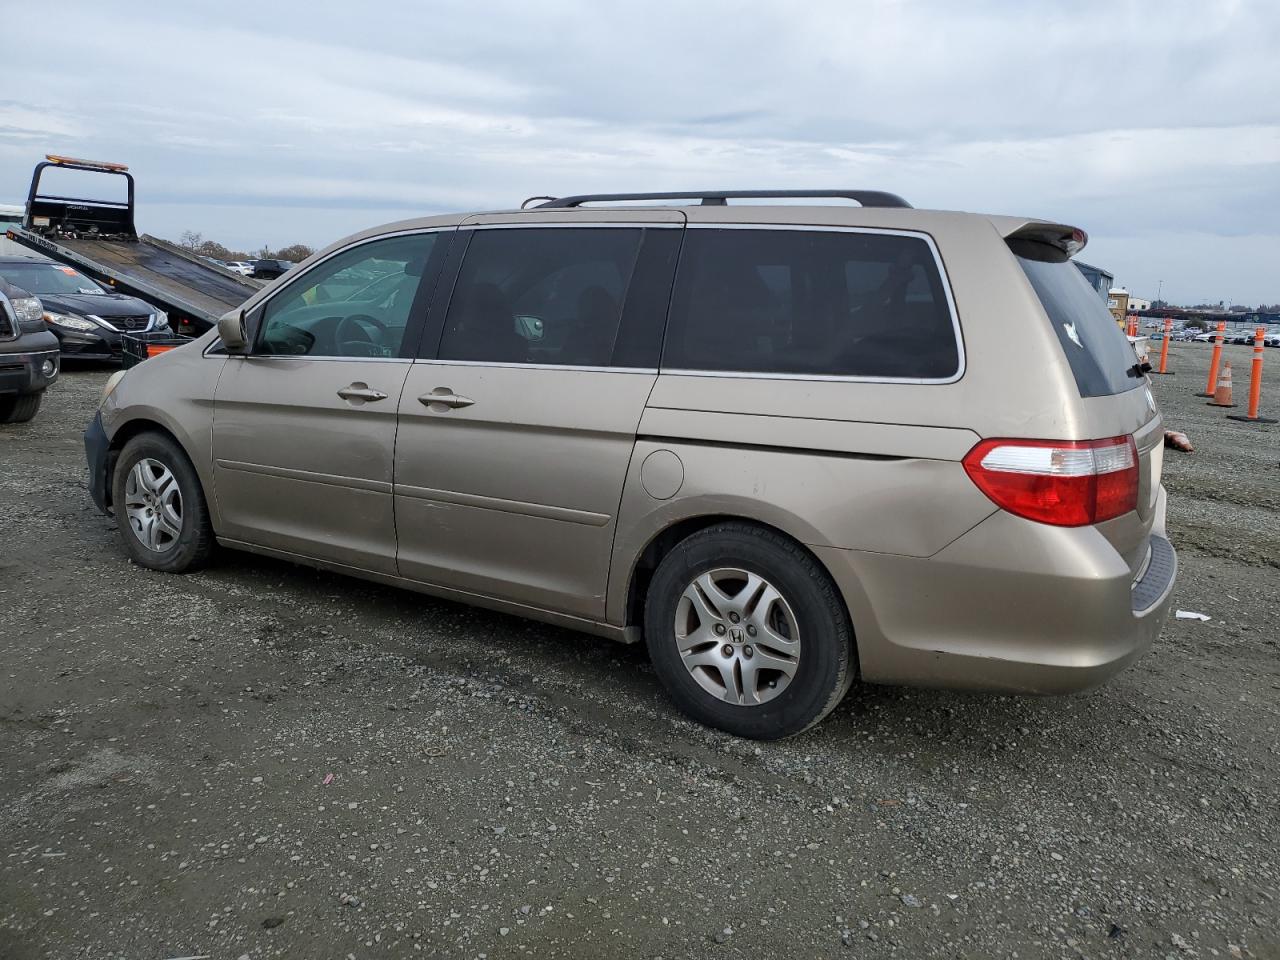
<point>354,340</point>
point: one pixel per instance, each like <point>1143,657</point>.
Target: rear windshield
<point>1100,355</point>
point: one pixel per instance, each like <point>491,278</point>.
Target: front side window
<point>810,302</point>
<point>544,295</point>
<point>355,304</point>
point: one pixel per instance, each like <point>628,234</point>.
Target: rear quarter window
<point>822,303</point>
<point>1100,355</point>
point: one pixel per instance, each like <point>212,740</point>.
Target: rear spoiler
<point>1068,240</point>
<point>80,216</point>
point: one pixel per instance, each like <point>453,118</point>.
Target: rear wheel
<point>748,632</point>
<point>159,506</point>
<point>19,408</point>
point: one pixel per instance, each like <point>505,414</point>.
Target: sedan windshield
<point>48,278</point>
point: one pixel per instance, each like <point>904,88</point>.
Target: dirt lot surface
<point>264,761</point>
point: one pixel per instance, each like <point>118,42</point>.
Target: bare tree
<point>212,248</point>
<point>295,252</point>
<point>190,239</point>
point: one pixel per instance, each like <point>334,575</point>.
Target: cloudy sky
<point>1153,125</point>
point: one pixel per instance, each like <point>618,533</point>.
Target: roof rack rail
<point>717,198</point>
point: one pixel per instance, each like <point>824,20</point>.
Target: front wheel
<point>748,632</point>
<point>159,506</point>
<point>20,408</point>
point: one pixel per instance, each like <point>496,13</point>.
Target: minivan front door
<point>304,428</point>
<point>516,436</point>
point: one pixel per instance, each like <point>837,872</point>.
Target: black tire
<point>19,408</point>
<point>191,548</point>
<point>825,668</point>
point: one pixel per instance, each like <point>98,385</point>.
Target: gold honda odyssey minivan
<point>788,445</point>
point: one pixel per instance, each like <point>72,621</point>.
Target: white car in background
<point>240,267</point>
<point>11,216</point>
<point>1142,347</point>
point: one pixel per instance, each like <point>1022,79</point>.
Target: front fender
<point>173,391</point>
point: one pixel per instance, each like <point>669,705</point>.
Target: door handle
<point>361,391</point>
<point>446,398</point>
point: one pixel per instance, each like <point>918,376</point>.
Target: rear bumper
<point>1012,606</point>
<point>97,453</point>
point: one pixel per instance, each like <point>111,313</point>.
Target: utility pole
<point>1160,293</point>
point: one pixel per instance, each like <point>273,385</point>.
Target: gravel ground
<point>265,761</point>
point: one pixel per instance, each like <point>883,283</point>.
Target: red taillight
<point>1068,483</point>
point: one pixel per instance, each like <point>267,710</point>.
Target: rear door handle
<point>445,397</point>
<point>361,391</point>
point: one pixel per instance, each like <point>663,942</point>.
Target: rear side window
<point>811,302</point>
<point>544,295</point>
<point>1101,358</point>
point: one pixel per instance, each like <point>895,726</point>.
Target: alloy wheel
<point>153,504</point>
<point>737,636</point>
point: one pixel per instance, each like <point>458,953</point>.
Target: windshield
<point>48,278</point>
<point>1100,355</point>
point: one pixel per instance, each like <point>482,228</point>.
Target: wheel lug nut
<point>727,650</point>
<point>751,629</point>
<point>748,652</point>
<point>734,618</point>
<point>719,629</point>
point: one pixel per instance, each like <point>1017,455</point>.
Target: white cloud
<point>1137,119</point>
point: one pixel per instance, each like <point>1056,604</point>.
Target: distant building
<point>1098,278</point>
<point>1121,303</point>
<point>1118,303</point>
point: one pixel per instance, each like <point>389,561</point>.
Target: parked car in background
<point>242,267</point>
<point>28,354</point>
<point>11,215</point>
<point>1208,337</point>
<point>1272,339</point>
<point>1142,348</point>
<point>595,415</point>
<point>86,319</point>
<point>270,269</point>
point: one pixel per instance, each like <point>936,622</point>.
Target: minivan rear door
<point>518,420</point>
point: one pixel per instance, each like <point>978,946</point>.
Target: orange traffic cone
<point>1222,392</point>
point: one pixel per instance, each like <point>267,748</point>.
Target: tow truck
<point>100,239</point>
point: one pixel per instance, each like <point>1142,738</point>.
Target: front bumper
<point>1011,606</point>
<point>98,344</point>
<point>97,450</point>
<point>24,372</point>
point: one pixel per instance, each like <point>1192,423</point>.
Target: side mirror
<point>234,332</point>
